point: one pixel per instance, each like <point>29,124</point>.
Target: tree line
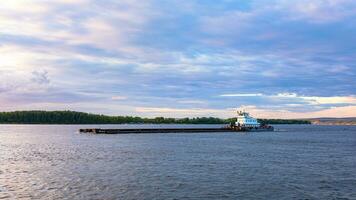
<point>72,117</point>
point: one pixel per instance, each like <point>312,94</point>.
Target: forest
<point>72,117</point>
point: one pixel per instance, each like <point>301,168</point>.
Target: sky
<point>272,58</point>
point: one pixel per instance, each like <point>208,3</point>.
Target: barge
<point>244,123</point>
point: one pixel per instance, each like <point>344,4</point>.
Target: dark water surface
<point>295,162</point>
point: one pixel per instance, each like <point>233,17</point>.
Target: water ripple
<point>297,162</point>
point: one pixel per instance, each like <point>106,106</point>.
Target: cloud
<point>294,56</point>
<point>351,100</point>
<point>116,98</point>
<point>40,77</point>
<point>242,95</point>
<point>194,102</point>
<point>320,11</point>
<point>179,112</point>
<point>315,100</point>
<point>347,111</point>
<point>292,102</point>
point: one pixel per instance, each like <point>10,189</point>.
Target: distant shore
<point>72,117</point>
<point>335,123</point>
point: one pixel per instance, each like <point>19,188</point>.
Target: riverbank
<point>334,123</point>
<point>72,117</point>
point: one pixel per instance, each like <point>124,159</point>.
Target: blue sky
<point>275,58</point>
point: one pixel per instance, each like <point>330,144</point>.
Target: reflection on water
<point>56,162</point>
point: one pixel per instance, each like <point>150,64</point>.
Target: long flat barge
<point>174,130</point>
<point>244,123</point>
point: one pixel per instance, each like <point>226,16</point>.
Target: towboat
<point>245,122</point>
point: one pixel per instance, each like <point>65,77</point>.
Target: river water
<point>294,162</point>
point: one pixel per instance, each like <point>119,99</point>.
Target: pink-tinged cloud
<point>277,58</point>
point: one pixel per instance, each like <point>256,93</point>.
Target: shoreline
<point>315,124</point>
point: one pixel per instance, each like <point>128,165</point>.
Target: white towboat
<point>245,122</point>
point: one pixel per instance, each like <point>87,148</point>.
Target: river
<point>294,162</point>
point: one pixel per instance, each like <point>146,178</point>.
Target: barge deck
<point>174,130</point>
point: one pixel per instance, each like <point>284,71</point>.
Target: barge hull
<point>172,130</point>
